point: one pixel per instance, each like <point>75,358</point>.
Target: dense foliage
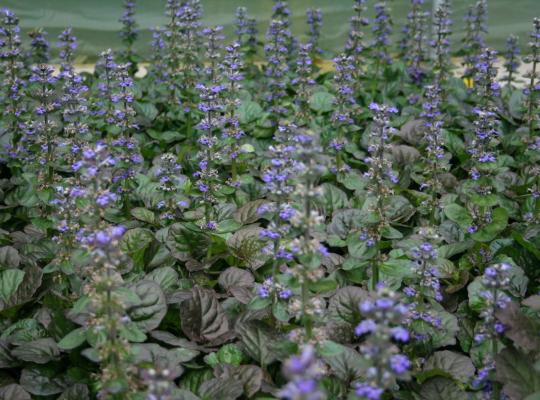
<point>242,223</point>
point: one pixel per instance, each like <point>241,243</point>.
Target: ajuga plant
<point>108,325</point>
<point>511,58</point>
<point>495,281</point>
<point>129,34</point>
<point>382,330</point>
<point>39,52</point>
<point>12,79</point>
<point>303,82</point>
<point>382,29</point>
<point>314,21</point>
<point>246,221</point>
<point>232,68</point>
<point>67,44</point>
<point>380,178</point>
<point>532,85</point>
<point>212,106</point>
<point>246,31</point>
<point>355,45</point>
<point>436,160</point>
<point>344,107</point>
<point>474,40</point>
<point>41,132</point>
<point>412,46</point>
<point>440,44</point>
<point>276,70</point>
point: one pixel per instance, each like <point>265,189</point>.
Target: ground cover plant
<point>241,223</point>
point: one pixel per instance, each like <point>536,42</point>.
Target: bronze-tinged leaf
<point>152,307</point>
<point>25,291</point>
<point>457,365</point>
<point>78,391</point>
<point>203,318</point>
<point>533,302</point>
<point>520,328</point>
<point>14,392</point>
<point>223,389</point>
<point>245,244</point>
<point>344,304</point>
<point>442,389</point>
<point>39,351</point>
<point>235,278</point>
<point>256,340</point>
<point>247,214</point>
<point>251,376</point>
<point>516,372</point>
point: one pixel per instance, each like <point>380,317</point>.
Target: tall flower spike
<point>413,42</point>
<point>129,32</point>
<point>345,103</point>
<point>355,46</point>
<point>276,50</point>
<point>533,75</point>
<point>441,44</point>
<point>474,40</point>
<point>12,83</point>
<point>382,29</point>
<point>511,58</point>
<point>314,22</point>
<point>383,327</point>
<point>303,80</point>
<point>67,44</point>
<point>433,139</point>
<point>43,128</point>
<point>487,87</point>
<point>245,30</point>
<point>105,70</point>
<point>232,67</point>
<point>303,373</point>
<point>39,47</point>
<point>212,106</point>
<point>495,281</point>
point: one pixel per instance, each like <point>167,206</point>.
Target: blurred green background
<point>95,22</point>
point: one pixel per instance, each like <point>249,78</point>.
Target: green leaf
<point>258,303</point>
<point>10,280</point>
<point>279,310</point>
<point>497,225</point>
<point>328,348</point>
<point>388,232</point>
<point>397,267</point>
<point>459,215</point>
<point>230,354</point>
<point>73,339</point>
<point>249,111</point>
<point>143,214</point>
<point>166,277</point>
<point>147,110</point>
<point>322,102</point>
<point>132,333</point>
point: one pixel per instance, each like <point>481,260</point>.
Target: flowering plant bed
<point>226,228</point>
